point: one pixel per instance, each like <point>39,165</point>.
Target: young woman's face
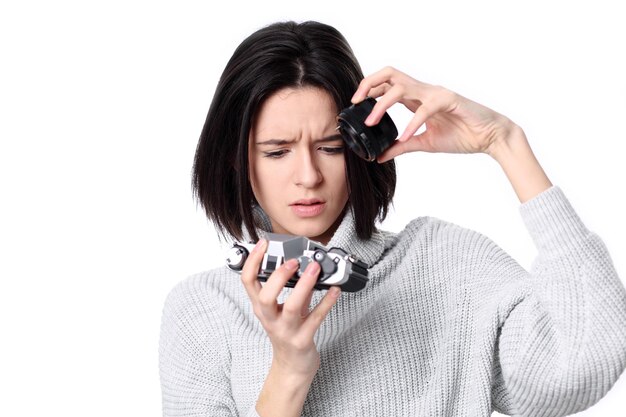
<point>297,167</point>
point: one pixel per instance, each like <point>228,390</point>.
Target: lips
<point>307,202</point>
<point>309,207</point>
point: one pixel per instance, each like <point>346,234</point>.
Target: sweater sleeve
<point>562,345</point>
<point>194,355</point>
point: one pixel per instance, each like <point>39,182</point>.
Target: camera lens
<point>366,141</point>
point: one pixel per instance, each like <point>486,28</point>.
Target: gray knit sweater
<point>448,325</point>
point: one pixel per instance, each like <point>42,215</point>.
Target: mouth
<point>307,202</point>
<point>308,207</point>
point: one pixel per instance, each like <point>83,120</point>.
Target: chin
<point>310,231</point>
<point>314,229</point>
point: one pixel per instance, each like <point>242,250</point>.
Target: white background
<point>101,106</point>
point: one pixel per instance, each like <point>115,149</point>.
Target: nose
<point>307,172</point>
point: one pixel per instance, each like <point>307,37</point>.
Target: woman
<point>448,323</point>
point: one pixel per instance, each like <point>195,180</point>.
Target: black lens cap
<point>366,141</point>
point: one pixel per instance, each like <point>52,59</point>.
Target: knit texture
<point>448,325</point>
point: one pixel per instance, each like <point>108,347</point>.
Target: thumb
<point>413,144</point>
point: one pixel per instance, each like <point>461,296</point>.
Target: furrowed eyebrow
<point>279,142</point>
<point>331,138</point>
<point>275,142</point>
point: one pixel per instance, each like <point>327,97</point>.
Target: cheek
<point>264,177</point>
<point>256,178</point>
<point>252,177</point>
<point>336,174</point>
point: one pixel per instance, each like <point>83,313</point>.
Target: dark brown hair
<point>281,55</point>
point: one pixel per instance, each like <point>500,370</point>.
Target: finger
<point>319,313</point>
<point>440,101</point>
<point>295,304</point>
<point>375,92</point>
<point>433,100</point>
<point>306,305</point>
<point>419,118</point>
<point>250,270</point>
<point>391,97</point>
<point>417,143</point>
<point>384,75</point>
<point>397,148</point>
<point>387,75</point>
<point>275,283</point>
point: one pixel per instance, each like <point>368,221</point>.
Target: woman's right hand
<point>290,326</point>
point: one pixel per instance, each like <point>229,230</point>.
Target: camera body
<point>337,267</point>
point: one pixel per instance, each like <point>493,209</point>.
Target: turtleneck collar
<point>345,237</point>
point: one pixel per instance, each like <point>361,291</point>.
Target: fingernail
<point>292,263</point>
<point>313,268</point>
<point>370,120</point>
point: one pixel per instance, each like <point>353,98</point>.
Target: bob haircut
<point>281,55</point>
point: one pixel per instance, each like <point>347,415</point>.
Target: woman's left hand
<point>454,124</point>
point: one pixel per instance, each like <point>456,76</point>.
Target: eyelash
<point>330,150</point>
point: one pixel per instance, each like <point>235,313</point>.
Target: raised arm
<point>563,344</point>
<point>454,124</point>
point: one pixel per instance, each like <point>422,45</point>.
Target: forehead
<point>296,109</point>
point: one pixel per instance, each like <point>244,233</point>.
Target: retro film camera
<point>366,141</point>
<point>337,266</point>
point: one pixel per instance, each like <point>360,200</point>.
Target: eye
<point>331,150</point>
<point>275,154</point>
